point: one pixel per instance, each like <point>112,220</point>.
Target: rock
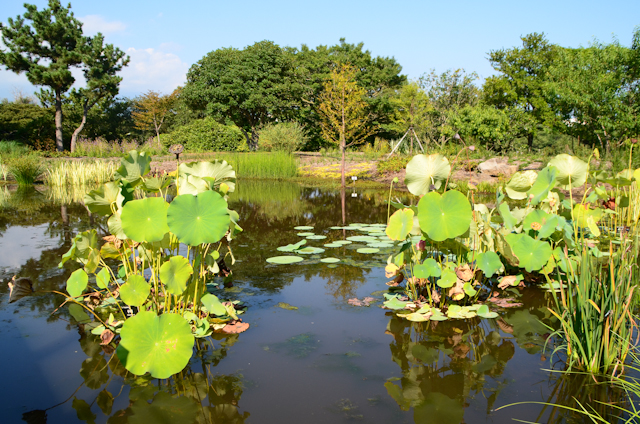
<point>497,167</point>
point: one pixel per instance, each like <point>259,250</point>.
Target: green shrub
<point>26,169</point>
<point>13,149</point>
<point>282,137</point>
<point>205,135</point>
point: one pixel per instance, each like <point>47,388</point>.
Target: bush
<point>282,137</point>
<point>205,135</point>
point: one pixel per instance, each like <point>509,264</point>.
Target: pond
<point>309,356</point>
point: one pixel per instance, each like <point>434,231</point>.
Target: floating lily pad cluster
<point>158,293</point>
<point>366,239</point>
<point>453,254</point>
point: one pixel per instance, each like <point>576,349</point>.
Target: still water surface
<point>326,362</point>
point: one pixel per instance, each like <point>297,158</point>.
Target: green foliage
<point>25,169</point>
<point>264,165</point>
<point>492,128</point>
<point>205,135</point>
<point>25,123</point>
<point>282,136</point>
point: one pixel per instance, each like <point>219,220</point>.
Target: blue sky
<point>164,38</point>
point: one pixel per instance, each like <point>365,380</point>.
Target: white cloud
<point>93,24</point>
<point>151,69</point>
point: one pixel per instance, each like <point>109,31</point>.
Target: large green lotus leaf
<point>213,304</point>
<point>429,268</point>
<point>77,283</point>
<point>133,167</point>
<point>175,273</point>
<point>444,217</point>
<point>161,345</point>
<point>219,170</point>
<point>191,184</point>
<point>103,278</point>
<point>438,408</point>
<point>145,219</point>
<point>198,219</point>
<point>99,201</point>
<point>544,183</point>
<point>489,263</point>
<point>155,184</point>
<point>400,224</point>
<point>532,254</point>
<point>114,223</point>
<point>292,247</point>
<point>368,250</point>
<point>582,213</point>
<point>520,183</point>
<point>447,279</point>
<point>484,312</point>
<point>135,291</point>
<point>424,171</point>
<point>570,170</point>
<point>542,222</point>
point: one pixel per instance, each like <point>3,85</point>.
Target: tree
<point>250,87</point>
<point>151,109</point>
<point>345,117</point>
<point>412,110</point>
<point>46,51</point>
<point>597,90</point>
<point>493,128</point>
<point>523,83</point>
<point>447,93</point>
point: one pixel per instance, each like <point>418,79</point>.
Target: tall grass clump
<point>594,305</point>
<point>273,165</point>
<point>79,173</point>
<point>25,169</point>
<point>282,137</point>
<point>101,148</point>
<point>13,149</point>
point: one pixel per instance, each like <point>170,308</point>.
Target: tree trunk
<point>342,164</point>
<point>254,139</point>
<point>58,121</point>
<point>530,140</point>
<point>74,137</point>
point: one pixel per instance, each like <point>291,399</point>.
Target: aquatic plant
<point>79,173</point>
<point>162,294</point>
<point>25,169</point>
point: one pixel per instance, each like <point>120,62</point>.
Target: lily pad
<point>330,260</point>
<point>333,245</point>
<point>284,260</point>
<point>310,250</point>
<point>429,268</point>
<point>175,273</point>
<point>489,263</point>
<point>303,227</point>
<point>306,234</point>
<point>198,219</point>
<point>145,219</point>
<point>366,239</point>
<point>368,250</point>
<point>484,312</point>
<point>77,283</point>
<point>444,217</point>
<point>161,345</point>
<point>316,237</point>
<point>213,304</point>
<point>426,171</point>
<point>135,291</point>
<point>400,224</point>
<point>342,242</point>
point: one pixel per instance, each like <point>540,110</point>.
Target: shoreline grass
<point>79,173</point>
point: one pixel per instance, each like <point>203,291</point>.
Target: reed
<point>79,173</point>
<point>273,165</point>
<point>25,169</point>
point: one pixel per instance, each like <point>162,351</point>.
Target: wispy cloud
<point>152,69</point>
<point>92,24</point>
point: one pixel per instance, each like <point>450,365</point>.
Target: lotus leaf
<point>310,250</point>
<point>133,167</point>
<point>154,185</point>
<point>218,170</point>
<point>400,224</point>
<point>175,273</point>
<point>135,291</point>
<point>542,222</point>
<point>161,345</point>
<point>103,278</point>
<point>191,184</point>
<point>429,268</point>
<point>333,245</point>
<point>198,219</point>
<point>395,304</point>
<point>316,237</point>
<point>366,239</point>
<point>572,172</point>
<point>582,213</point>
<point>368,250</point>
<point>145,219</point>
<point>306,234</point>
<point>292,247</point>
<point>284,260</point>
<point>489,263</point>
<point>115,225</point>
<point>305,227</point>
<point>447,279</point>
<point>416,317</point>
<point>469,290</point>
<point>509,221</point>
<point>520,183</point>
<point>426,171</point>
<point>77,283</point>
<point>484,312</point>
<point>444,217</point>
<point>329,260</point>
<point>460,312</point>
<point>101,200</point>
<point>544,183</point>
<point>532,254</point>
<point>213,304</point>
